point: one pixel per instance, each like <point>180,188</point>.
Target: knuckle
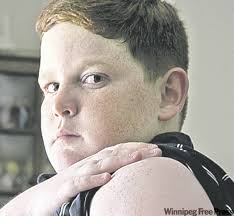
<point>118,146</point>
<point>108,150</point>
<point>88,167</point>
<point>94,161</point>
<point>79,181</point>
<point>115,152</point>
<point>100,165</point>
<point>112,151</point>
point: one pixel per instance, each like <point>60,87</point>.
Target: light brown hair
<point>152,29</point>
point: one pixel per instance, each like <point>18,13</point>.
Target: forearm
<point>19,204</point>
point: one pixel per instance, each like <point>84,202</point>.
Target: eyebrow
<point>83,65</point>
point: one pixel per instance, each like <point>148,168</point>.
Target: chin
<point>64,157</point>
<point>62,162</point>
<point>61,165</point>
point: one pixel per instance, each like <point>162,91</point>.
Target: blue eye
<point>52,88</point>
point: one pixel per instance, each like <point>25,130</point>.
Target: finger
<point>133,145</point>
<point>119,149</point>
<point>147,151</point>
<point>113,163</point>
<point>123,149</point>
<point>154,152</point>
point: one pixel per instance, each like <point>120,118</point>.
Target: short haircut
<point>152,29</point>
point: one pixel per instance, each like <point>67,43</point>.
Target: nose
<point>65,104</point>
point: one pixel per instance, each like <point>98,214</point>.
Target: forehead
<point>65,42</point>
<point>71,37</point>
<point>68,47</point>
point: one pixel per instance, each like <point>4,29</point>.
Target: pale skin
<point>95,89</point>
<point>105,113</point>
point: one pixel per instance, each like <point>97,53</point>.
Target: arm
<point>93,171</point>
<point>146,187</point>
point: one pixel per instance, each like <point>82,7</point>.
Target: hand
<point>86,174</point>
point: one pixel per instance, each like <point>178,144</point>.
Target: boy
<point>114,79</point>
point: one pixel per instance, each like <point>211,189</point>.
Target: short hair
<point>152,29</point>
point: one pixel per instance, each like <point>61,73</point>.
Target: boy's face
<point>96,90</point>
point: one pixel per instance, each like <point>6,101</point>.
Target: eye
<point>94,80</point>
<point>51,88</point>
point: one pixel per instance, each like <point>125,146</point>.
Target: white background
<point>210,25</point>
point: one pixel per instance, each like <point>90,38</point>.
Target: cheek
<point>120,116</point>
<point>101,121</point>
<point>46,119</point>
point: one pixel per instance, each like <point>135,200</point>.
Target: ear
<point>174,90</point>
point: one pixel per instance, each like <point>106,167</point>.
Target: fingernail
<point>133,155</point>
<point>153,151</point>
<point>105,176</point>
<point>152,146</point>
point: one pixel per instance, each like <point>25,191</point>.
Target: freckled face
<point>95,89</point>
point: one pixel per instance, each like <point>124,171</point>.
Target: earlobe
<point>167,113</point>
<point>174,92</point>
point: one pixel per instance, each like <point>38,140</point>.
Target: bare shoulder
<point>147,188</point>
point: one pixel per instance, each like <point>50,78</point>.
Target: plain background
<point>210,122</point>
<point>210,26</point>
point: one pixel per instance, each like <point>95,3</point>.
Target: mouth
<point>65,135</point>
<point>66,138</point>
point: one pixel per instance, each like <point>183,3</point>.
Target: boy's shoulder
<point>180,172</point>
<point>149,186</point>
